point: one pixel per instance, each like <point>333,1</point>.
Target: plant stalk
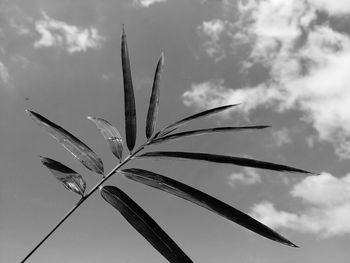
<point>85,197</point>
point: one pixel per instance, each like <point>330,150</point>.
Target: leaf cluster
<point>130,210</point>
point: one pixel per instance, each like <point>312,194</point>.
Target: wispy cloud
<point>214,93</point>
<point>20,26</point>
<point>4,75</point>
<point>55,33</point>
<point>147,3</point>
<point>281,137</point>
<point>327,207</point>
<point>247,176</point>
<point>211,32</point>
<point>307,61</point>
<point>14,18</point>
<point>15,23</point>
<point>340,7</point>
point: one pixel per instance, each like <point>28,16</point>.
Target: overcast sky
<point>286,62</point>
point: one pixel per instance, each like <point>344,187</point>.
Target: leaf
<point>202,199</point>
<point>144,224</point>
<point>154,100</point>
<point>69,178</point>
<point>76,147</point>
<point>129,99</point>
<point>111,134</point>
<point>179,123</point>
<point>223,159</point>
<point>181,135</point>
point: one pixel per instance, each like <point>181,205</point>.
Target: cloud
<point>327,207</point>
<point>339,7</point>
<point>266,213</point>
<point>71,38</point>
<point>307,62</point>
<point>248,176</point>
<point>4,75</point>
<point>14,18</point>
<point>147,3</point>
<point>211,31</point>
<point>281,137</point>
<point>214,93</point>
<point>324,190</point>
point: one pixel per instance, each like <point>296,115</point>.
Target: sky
<point>285,62</point>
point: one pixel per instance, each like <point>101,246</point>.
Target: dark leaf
<point>181,135</point>
<point>76,147</point>
<point>69,178</point>
<point>129,99</point>
<point>154,100</point>
<point>202,199</point>
<point>179,123</point>
<point>111,134</point>
<point>223,159</point>
<point>144,224</point>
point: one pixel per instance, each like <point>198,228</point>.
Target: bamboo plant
<point>132,212</point>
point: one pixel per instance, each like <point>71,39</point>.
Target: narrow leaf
<point>202,199</point>
<point>76,147</point>
<point>129,99</point>
<point>181,135</point>
<point>69,178</point>
<point>179,123</point>
<point>240,161</point>
<point>111,135</point>
<point>144,224</point>
<point>154,100</point>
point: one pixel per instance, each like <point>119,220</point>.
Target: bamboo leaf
<point>144,224</point>
<point>76,147</point>
<point>71,180</point>
<point>181,122</point>
<point>204,200</point>
<point>240,161</point>
<point>111,135</point>
<point>181,135</point>
<point>154,100</point>
<point>129,99</point>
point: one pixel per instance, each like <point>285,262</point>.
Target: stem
<point>84,198</point>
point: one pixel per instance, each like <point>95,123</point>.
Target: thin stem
<point>54,229</point>
<point>84,198</point>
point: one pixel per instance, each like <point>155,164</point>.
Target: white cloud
<point>327,207</point>
<point>147,3</point>
<point>324,190</point>
<point>266,213</point>
<point>211,31</point>
<point>339,7</point>
<point>308,64</point>
<point>71,38</point>
<point>4,75</point>
<point>248,176</point>
<point>19,28</point>
<point>281,137</point>
<point>213,93</point>
<point>15,18</point>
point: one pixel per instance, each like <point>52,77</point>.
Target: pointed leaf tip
<point>70,179</point>
<point>154,100</point>
<point>144,224</point>
<point>111,135</point>
<point>181,135</point>
<point>240,161</point>
<point>129,98</point>
<point>204,200</point>
<point>76,147</point>
<point>172,127</point>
